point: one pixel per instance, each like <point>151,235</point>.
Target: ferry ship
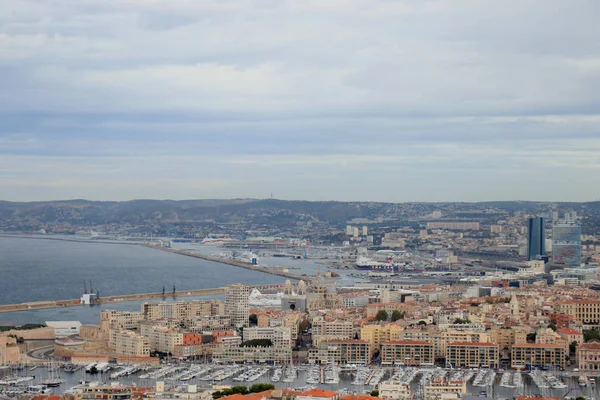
<point>366,264</point>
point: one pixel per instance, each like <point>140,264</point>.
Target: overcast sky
<point>425,100</point>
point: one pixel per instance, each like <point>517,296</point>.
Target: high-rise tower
<point>536,238</point>
<point>237,304</point>
<point>566,243</point>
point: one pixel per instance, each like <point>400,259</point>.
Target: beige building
<point>570,335</point>
<point>407,353</point>
<point>252,354</point>
<point>445,390</point>
<point>114,319</point>
<point>279,336</point>
<point>430,334</point>
<point>473,355</point>
<point>506,337</point>
<point>537,355</point>
<point>237,305</point>
<point>9,350</point>
<point>395,390</point>
<point>455,336</point>
<point>375,335</point>
<point>340,352</point>
<point>586,311</point>
<point>182,310</point>
<point>161,339</point>
<point>328,330</point>
<point>210,323</point>
<point>389,308</point>
<point>588,355</point>
<point>129,343</point>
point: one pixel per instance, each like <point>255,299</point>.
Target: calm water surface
<point>38,269</point>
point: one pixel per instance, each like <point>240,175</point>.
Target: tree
<point>573,347</point>
<point>552,326</point>
<point>228,392</point>
<point>591,334</point>
<point>421,322</point>
<point>396,315</point>
<point>375,393</point>
<point>531,337</point>
<point>253,319</point>
<point>462,321</point>
<point>382,315</point>
<point>261,387</point>
<point>257,343</point>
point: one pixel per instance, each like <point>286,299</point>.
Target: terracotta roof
<point>345,341</point>
<point>409,342</point>
<point>539,345</point>
<point>568,331</point>
<point>475,344</point>
<point>318,393</point>
<point>589,346</point>
<point>359,397</point>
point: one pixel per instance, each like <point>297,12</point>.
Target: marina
<point>344,378</point>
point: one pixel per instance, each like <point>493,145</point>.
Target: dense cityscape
<point>299,200</point>
<point>403,301</point>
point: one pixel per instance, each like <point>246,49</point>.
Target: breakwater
<point>118,299</point>
<point>273,271</point>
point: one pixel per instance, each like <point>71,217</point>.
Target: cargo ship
<point>366,264</point>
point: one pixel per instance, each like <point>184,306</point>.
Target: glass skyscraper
<point>536,238</point>
<point>566,243</point>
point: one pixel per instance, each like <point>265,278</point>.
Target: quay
<point>36,305</point>
<point>235,263</point>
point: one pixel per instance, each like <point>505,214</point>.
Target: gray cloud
<point>397,100</point>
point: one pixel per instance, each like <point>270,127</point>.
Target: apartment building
<point>340,352</point>
<point>375,335</point>
<point>279,336</point>
<point>389,308</point>
<point>210,323</point>
<point>182,310</point>
<point>473,355</point>
<point>129,343</point>
<point>237,304</point>
<point>586,310</point>
<point>252,354</point>
<point>395,390</point>
<point>329,330</point>
<point>537,355</point>
<point>430,334</point>
<point>588,356</point>
<point>455,336</point>
<point>445,389</point>
<point>161,339</point>
<point>506,337</point>
<point>114,319</point>
<point>407,353</point>
<point>570,335</point>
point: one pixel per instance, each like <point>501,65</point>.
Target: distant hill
<point>256,212</point>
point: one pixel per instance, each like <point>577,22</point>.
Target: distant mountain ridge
<point>14,215</point>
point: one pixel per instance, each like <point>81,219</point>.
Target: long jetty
<point>37,305</point>
<point>235,263</point>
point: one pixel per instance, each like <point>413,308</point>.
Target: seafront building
<point>237,305</point>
